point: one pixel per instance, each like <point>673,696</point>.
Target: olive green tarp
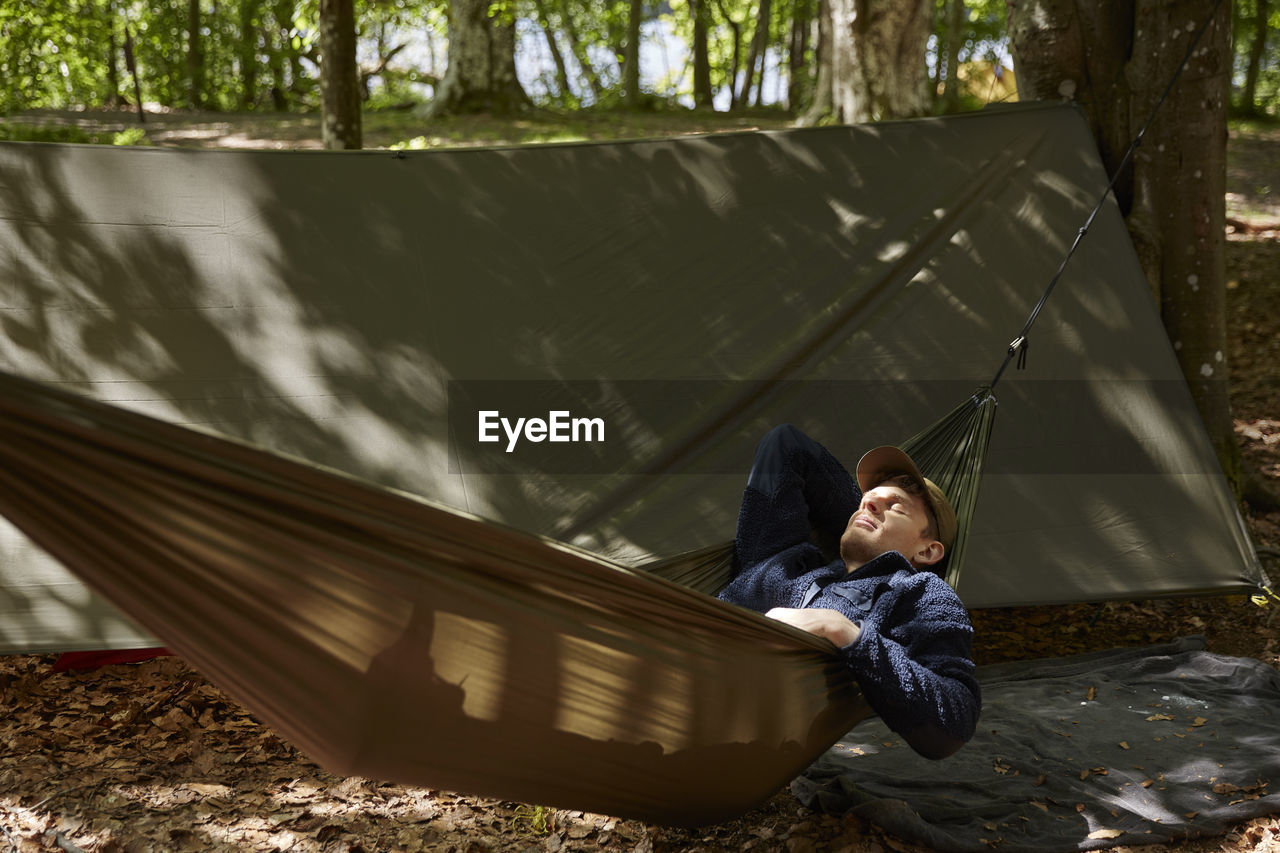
<point>360,310</point>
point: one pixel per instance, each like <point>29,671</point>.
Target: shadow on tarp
<point>320,305</point>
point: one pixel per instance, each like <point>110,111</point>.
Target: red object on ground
<point>93,660</point>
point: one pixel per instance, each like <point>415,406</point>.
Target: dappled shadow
<point>1128,746</point>
<point>857,282</point>
<point>389,638</point>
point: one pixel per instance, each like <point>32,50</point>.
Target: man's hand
<point>824,622</point>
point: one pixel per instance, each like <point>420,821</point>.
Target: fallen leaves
<point>1249,792</point>
<point>151,757</point>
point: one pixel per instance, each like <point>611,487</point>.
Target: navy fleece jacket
<point>912,656</point>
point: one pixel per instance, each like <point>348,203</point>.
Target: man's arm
<point>794,483</point>
<point>910,654</point>
<point>913,660</point>
<point>929,697</point>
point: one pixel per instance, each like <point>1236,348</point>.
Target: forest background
<point>420,74</point>
<point>409,68</point>
<point>255,55</point>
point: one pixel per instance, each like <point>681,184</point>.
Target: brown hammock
<point>391,638</point>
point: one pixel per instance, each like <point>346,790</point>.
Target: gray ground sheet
<point>1130,746</point>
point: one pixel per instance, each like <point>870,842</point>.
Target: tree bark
<point>557,58</point>
<point>736,29</point>
<point>580,55</point>
<point>248,53</point>
<point>195,57</point>
<point>763,35</point>
<point>280,55</point>
<point>951,84</point>
<point>878,58</point>
<point>631,55</point>
<point>1249,93</point>
<point>753,73</point>
<point>339,76</point>
<point>703,96</point>
<point>114,99</point>
<point>131,63</point>
<point>767,22</point>
<point>798,77</point>
<point>822,105</point>
<point>1080,50</point>
<point>481,76</point>
<point>1116,58</point>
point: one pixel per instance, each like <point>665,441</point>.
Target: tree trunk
<point>557,58</point>
<point>113,69</point>
<point>736,29</point>
<point>755,55</point>
<point>579,52</point>
<point>248,53</point>
<point>290,56</point>
<point>749,68</point>
<point>823,104</point>
<point>278,56</point>
<point>1249,94</point>
<point>951,86</point>
<point>1174,195</point>
<point>195,56</point>
<point>631,55</point>
<point>131,63</point>
<point>703,96</point>
<point>798,78</point>
<point>1080,50</point>
<point>878,58</point>
<point>339,77</point>
<point>481,77</point>
<point>766,21</point>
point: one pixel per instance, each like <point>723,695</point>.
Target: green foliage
<point>1245,32</point>
<point>55,133</point>
<point>51,54</point>
<point>383,26</point>
<point>731,28</point>
<point>539,819</point>
<point>263,54</point>
<point>982,39</point>
<point>131,136</point>
<point>56,54</point>
<point>21,132</point>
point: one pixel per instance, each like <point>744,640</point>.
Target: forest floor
<point>151,757</point>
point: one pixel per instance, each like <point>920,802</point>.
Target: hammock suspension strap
<point>1019,344</point>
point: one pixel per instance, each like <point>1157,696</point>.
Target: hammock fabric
<point>952,453</point>
<point>390,638</point>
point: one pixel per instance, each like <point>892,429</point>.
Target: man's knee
<point>783,436</point>
<point>771,456</point>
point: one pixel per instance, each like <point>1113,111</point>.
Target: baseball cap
<point>884,463</point>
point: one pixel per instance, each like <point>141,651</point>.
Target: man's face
<point>889,519</point>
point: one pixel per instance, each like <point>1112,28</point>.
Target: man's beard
<point>855,550</point>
